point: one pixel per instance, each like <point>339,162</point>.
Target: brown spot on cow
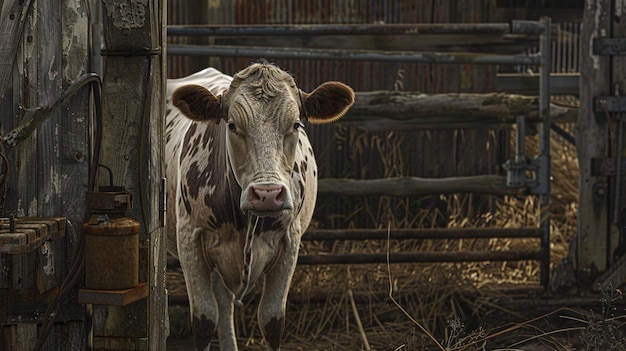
<point>202,330</point>
<point>274,332</point>
<point>197,179</point>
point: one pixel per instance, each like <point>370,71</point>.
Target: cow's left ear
<point>328,102</point>
<point>197,103</point>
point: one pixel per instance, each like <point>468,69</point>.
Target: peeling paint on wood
<point>128,14</point>
<point>75,42</point>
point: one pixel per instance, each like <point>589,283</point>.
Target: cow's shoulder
<point>178,126</point>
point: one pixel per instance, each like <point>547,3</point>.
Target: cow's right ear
<point>197,103</point>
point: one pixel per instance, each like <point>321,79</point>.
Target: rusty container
<point>111,241</point>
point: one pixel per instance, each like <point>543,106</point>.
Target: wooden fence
<point>396,109</point>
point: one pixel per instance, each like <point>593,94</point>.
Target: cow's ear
<point>197,103</point>
<point>328,102</point>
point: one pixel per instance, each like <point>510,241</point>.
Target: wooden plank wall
<point>48,174</point>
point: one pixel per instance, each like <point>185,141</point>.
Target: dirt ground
<point>504,318</point>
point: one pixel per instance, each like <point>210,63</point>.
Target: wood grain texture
<point>411,186</point>
<point>388,110</point>
<point>12,18</point>
<point>133,107</point>
<point>47,178</point>
<point>591,141</point>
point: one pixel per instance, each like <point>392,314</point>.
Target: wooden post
<point>618,84</point>
<point>592,142</point>
<point>133,138</point>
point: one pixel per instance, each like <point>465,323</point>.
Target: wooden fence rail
<point>389,110</point>
<point>411,186</point>
<point>423,234</point>
<point>412,257</point>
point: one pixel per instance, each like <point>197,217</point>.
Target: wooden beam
<point>121,297</point>
<point>387,110</point>
<point>478,42</point>
<point>313,234</point>
<point>592,142</point>
<point>407,257</point>
<point>132,146</point>
<point>617,204</point>
<point>411,186</point>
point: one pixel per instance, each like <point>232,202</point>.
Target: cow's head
<point>264,113</point>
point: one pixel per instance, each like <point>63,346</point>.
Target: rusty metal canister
<point>111,241</point>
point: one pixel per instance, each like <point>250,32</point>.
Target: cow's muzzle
<point>266,199</point>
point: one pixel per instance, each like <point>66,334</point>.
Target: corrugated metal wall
<point>350,153</point>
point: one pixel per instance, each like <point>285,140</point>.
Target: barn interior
<point>440,278</point>
<point>470,200</point>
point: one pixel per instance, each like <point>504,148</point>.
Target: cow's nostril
<point>282,195</point>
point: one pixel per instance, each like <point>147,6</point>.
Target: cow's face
<point>264,113</point>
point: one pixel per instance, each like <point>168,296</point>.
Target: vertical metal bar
<point>544,146</point>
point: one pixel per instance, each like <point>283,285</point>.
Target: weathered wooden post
<point>132,146</point>
<point>601,199</point>
<point>48,170</point>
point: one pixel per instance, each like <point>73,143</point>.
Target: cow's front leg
<point>226,326</point>
<point>271,312</point>
<point>202,302</point>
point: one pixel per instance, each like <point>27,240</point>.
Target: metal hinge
<point>603,104</point>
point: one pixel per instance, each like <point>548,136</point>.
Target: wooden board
<point>133,148</point>
<point>591,141</point>
<point>113,297</point>
<point>30,233</point>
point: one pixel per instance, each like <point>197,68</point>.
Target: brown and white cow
<point>242,192</point>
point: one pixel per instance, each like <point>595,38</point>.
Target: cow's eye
<point>232,126</point>
<point>298,125</point>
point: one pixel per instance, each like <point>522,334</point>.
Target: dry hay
<point>347,307</point>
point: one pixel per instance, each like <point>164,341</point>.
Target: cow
<point>241,192</point>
